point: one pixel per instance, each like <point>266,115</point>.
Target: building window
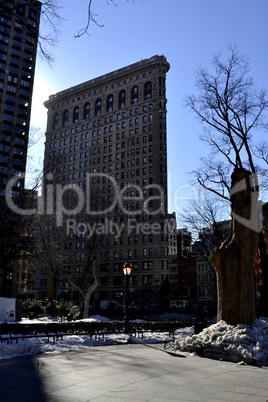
<point>98,107</point>
<point>65,117</point>
<point>118,280</point>
<point>110,103</point>
<point>122,99</point>
<point>76,114</point>
<point>56,121</point>
<point>104,280</point>
<point>147,265</point>
<point>147,280</point>
<point>148,90</point>
<point>86,110</point>
<point>134,95</point>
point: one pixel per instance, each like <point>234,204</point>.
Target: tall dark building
<point>19,26</point>
<point>105,154</point>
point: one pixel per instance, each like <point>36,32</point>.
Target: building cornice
<point>110,77</point>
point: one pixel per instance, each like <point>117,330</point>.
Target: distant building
<point>206,284</point>
<point>172,234</point>
<point>196,277</point>
<point>206,279</point>
<point>26,276</point>
<point>173,254</point>
<point>187,286</point>
<point>184,242</point>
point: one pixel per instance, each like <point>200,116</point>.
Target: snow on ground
<point>75,342</point>
<point>241,344</point>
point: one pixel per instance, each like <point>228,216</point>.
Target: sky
<point>187,32</point>
<point>239,344</point>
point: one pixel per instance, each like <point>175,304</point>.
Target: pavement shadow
<point>20,380</point>
<point>162,349</point>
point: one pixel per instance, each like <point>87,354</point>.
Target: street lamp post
<point>127,272</point>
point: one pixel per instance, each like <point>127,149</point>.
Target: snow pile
<point>26,347</point>
<point>246,343</point>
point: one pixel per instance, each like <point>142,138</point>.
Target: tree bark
<point>91,290</point>
<point>234,259</point>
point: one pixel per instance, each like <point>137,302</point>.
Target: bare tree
<point>88,280</point>
<point>203,215</point>
<point>84,287</point>
<point>34,174</point>
<point>49,254</point>
<point>16,238</point>
<point>230,109</point>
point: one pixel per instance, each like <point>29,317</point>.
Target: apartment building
<point>19,27</point>
<point>106,161</point>
<point>18,44</point>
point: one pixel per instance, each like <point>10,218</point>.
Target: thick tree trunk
<point>234,259</point>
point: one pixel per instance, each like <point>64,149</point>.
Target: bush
<point>39,308</point>
<point>63,308</point>
<point>32,306</point>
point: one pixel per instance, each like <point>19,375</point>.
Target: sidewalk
<point>129,373</point>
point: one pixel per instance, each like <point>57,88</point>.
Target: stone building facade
<point>105,179</point>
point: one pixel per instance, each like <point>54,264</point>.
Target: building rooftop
<point>110,76</point>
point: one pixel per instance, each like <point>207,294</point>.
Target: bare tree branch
<point>231,111</point>
<point>91,17</point>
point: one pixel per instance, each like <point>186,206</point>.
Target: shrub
<point>32,306</point>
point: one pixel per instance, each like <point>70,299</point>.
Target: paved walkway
<point>129,373</point>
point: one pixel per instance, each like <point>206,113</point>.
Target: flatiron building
<point>106,158</point>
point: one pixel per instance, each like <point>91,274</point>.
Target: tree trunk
<point>51,294</point>
<point>234,259</point>
<point>91,290</point>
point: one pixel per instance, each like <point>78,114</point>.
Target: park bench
<point>141,329</point>
<point>8,338</point>
<point>10,333</point>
